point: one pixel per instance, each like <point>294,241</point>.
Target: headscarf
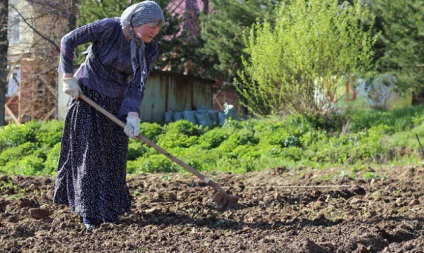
<point>136,15</point>
<point>141,13</point>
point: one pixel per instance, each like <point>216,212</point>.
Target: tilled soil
<point>280,210</point>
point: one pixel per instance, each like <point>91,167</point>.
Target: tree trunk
<point>4,45</point>
<point>205,9</point>
<point>73,15</point>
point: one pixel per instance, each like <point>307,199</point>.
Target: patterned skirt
<point>91,175</point>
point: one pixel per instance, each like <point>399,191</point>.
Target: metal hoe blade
<point>222,201</point>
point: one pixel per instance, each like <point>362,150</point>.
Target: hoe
<point>221,199</point>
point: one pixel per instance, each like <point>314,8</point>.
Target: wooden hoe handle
<point>153,145</point>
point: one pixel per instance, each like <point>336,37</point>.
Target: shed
<point>164,91</point>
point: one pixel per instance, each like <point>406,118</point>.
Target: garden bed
<point>281,210</point>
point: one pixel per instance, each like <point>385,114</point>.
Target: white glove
<point>71,87</point>
<point>132,127</point>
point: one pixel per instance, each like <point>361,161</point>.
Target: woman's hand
<point>71,87</point>
<point>132,129</point>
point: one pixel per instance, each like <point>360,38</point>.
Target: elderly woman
<point>91,175</point>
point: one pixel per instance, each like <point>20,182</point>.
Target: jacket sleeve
<point>96,31</point>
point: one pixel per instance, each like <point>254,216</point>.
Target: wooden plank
<point>49,114</point>
<point>12,115</point>
<point>11,98</point>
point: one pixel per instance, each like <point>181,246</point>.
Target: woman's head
<point>142,21</point>
<point>142,13</point>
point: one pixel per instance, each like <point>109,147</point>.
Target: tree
<point>219,55</point>
<point>4,44</point>
<point>402,26</point>
<point>299,65</point>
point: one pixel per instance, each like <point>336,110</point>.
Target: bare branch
<point>35,30</point>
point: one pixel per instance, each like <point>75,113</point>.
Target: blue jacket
<point>107,68</point>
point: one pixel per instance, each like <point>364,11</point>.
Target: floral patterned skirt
<point>91,175</point>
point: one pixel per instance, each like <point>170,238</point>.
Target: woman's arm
<point>96,31</point>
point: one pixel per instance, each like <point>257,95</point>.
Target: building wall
<point>33,56</point>
<point>25,33</point>
<point>164,91</point>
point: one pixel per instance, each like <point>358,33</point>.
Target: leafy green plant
<point>136,149</point>
<point>242,137</point>
<point>51,162</point>
<point>184,127</point>
<point>49,133</point>
<point>13,135</point>
<point>31,165</point>
<point>154,163</point>
<point>214,138</point>
<point>173,140</point>
<point>151,130</point>
<point>14,154</point>
<point>238,146</point>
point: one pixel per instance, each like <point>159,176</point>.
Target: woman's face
<point>146,32</point>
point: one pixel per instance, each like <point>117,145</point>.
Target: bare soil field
<point>280,210</point>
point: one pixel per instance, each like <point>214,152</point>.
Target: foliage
<point>151,130</point>
<point>50,133</point>
<point>399,119</point>
<point>214,137</point>
<point>154,163</point>
<point>15,135</point>
<point>31,148</point>
<point>15,153</point>
<point>373,137</point>
<point>184,127</point>
<point>299,64</point>
<point>401,23</point>
<point>180,133</point>
<point>221,35</point>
